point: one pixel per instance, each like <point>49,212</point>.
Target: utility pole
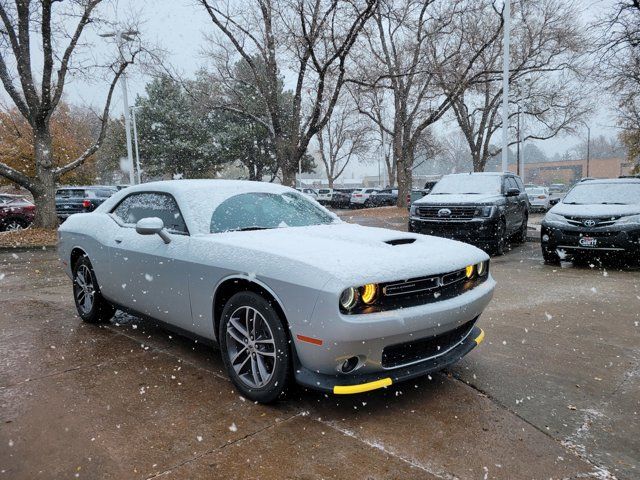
<point>588,147</point>
<point>518,141</point>
<point>122,37</point>
<point>505,86</point>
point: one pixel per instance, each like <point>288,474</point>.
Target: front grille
<point>424,348</point>
<point>440,212</point>
<point>599,221</point>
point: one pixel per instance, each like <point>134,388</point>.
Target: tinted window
<point>70,192</point>
<point>249,211</point>
<point>144,205</point>
<point>510,182</point>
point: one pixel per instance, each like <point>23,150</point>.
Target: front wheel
<point>255,347</point>
<point>521,236</point>
<point>550,256</point>
<point>91,305</point>
<point>499,244</point>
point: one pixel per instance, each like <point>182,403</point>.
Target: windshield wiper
<point>613,203</point>
<point>247,229</point>
<point>573,203</point>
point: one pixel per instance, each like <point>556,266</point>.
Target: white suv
<point>325,195</point>
<point>361,196</point>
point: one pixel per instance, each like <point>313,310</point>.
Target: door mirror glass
<point>513,192</point>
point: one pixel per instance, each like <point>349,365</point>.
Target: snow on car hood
<point>453,198</point>
<point>355,254</point>
<point>595,210</point>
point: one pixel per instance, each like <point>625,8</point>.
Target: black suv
<point>70,200</point>
<point>484,209</point>
<point>596,218</point>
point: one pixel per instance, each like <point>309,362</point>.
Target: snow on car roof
<point>612,180</point>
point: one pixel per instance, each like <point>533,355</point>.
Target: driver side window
<point>143,205</point>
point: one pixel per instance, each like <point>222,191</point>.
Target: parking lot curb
<point>28,249</point>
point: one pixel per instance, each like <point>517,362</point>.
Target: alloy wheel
<point>13,226</point>
<point>84,289</point>
<point>251,347</point>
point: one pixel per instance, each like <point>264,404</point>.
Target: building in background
<point>571,171</point>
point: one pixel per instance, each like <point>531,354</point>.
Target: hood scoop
<point>400,241</point>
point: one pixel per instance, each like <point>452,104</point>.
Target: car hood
<point>354,254</point>
<point>595,210</point>
<point>458,198</point>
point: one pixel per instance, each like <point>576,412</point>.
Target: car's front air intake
<point>400,241</point>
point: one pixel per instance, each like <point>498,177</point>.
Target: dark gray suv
<point>484,209</point>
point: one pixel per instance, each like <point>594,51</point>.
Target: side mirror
<point>513,192</point>
<point>152,226</point>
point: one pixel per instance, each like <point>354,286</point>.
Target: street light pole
<point>122,37</point>
<point>588,147</point>
<point>505,86</point>
<point>135,143</point>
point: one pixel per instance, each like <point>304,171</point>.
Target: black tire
<point>13,224</point>
<point>550,256</point>
<point>91,305</point>
<point>521,236</point>
<point>257,375</point>
<point>499,244</point>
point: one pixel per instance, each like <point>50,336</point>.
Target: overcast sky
<point>179,27</point>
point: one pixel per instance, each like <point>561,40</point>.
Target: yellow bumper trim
<point>479,338</point>
<point>365,387</point>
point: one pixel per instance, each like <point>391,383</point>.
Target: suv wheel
<point>91,306</point>
<point>521,236</point>
<point>500,242</point>
<point>255,347</point>
<point>13,224</point>
<point>550,256</point>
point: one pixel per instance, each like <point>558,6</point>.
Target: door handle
<point>118,239</point>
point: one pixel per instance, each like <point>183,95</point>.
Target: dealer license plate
<point>588,242</point>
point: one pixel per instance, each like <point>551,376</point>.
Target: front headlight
<point>554,218</point>
<point>412,210</point>
<point>482,268</point>
<point>483,211</point>
<point>629,220</point>
<point>349,298</point>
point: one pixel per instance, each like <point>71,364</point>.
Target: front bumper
<point>476,231</point>
<point>360,383</point>
<point>610,239</point>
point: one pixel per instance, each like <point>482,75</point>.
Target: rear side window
<point>103,193</point>
<point>144,205</point>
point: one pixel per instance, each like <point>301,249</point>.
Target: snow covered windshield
<point>604,193</point>
<point>258,211</point>
<point>468,184</point>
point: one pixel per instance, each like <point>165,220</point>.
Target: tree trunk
<point>403,170</point>
<point>330,180</point>
<point>44,187</point>
<point>288,176</point>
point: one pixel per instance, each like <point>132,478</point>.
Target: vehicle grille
<point>424,348</point>
<point>457,213</point>
<point>600,222</point>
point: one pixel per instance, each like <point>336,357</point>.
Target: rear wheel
<point>14,224</point>
<point>255,347</point>
<point>91,306</point>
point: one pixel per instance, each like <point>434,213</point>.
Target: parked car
<point>341,197</point>
<point>485,209</point>
<point>325,195</point>
<point>595,217</point>
<point>360,197</point>
<point>417,194</point>
<point>70,200</point>
<point>16,212</point>
<point>287,290</point>
<point>557,191</point>
<point>309,192</point>
<point>539,198</point>
<point>384,197</point>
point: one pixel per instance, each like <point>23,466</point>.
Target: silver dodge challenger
<point>287,290</point>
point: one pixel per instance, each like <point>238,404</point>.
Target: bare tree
<point>417,47</point>
<point>545,70</point>
<point>619,62</point>
<point>344,137</point>
<point>310,40</point>
<point>24,24</point>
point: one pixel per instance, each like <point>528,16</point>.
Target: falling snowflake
<point>148,277</point>
<point>233,427</point>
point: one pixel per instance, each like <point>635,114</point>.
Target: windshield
<point>258,211</point>
<point>536,191</point>
<point>604,193</point>
<point>470,184</point>
<point>70,192</point>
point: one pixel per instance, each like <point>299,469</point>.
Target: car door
<point>523,202</point>
<point>153,275</point>
<point>512,205</point>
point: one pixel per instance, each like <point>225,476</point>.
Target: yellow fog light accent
<point>363,387</point>
<point>479,338</point>
<point>369,293</point>
<point>468,271</point>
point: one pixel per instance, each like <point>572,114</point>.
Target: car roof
<point>483,174</point>
<point>611,180</point>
